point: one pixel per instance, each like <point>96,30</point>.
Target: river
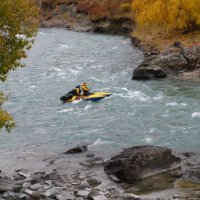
<point>158,112</point>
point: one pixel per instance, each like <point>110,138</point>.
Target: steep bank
<point>87,16</point>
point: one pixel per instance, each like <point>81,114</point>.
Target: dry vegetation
<point>161,22</point>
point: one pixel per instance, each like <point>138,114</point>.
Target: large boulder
<point>149,72</point>
<point>174,61</point>
<point>140,162</point>
<point>193,57</point>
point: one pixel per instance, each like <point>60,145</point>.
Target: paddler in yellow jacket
<point>75,92</point>
<point>85,89</point>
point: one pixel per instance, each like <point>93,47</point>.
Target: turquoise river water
<point>159,112</point>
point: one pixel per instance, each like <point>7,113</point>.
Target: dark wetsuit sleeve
<point>73,92</point>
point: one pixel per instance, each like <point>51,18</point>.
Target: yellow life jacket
<point>85,88</point>
<point>78,91</point>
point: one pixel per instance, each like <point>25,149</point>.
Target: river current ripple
<point>159,112</point>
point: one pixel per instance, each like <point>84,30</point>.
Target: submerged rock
<point>78,149</point>
<point>140,162</point>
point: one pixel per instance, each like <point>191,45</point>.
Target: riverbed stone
<point>52,192</point>
<point>140,162</point>
<point>64,196</point>
<point>82,193</point>
<point>94,182</point>
<point>77,149</point>
<point>4,187</point>
<point>99,197</point>
<point>14,196</point>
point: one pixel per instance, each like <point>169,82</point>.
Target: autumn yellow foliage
<point>167,14</point>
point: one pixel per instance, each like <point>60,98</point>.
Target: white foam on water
<point>98,80</point>
<point>57,69</point>
<point>75,72</point>
<point>63,46</point>
<point>184,104</point>
<point>172,104</point>
<point>151,130</point>
<point>176,104</point>
<point>33,86</point>
<point>96,66</point>
<point>99,142</point>
<point>195,114</point>
<point>61,73</point>
<point>137,95</point>
<point>87,107</point>
<point>158,98</point>
<point>41,33</point>
<point>147,140</point>
<point>65,110</point>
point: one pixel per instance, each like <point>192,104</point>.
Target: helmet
<point>78,86</point>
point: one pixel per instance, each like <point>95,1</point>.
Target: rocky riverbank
<point>143,172</point>
<point>176,60</point>
<point>72,15</point>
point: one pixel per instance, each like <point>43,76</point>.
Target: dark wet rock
<point>150,72</point>
<point>140,162</point>
<point>78,149</point>
<point>188,154</point>
<point>94,182</point>
<point>83,186</point>
<point>91,155</point>
<point>52,176</point>
<point>105,25</point>
<point>37,178</point>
